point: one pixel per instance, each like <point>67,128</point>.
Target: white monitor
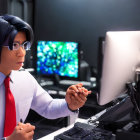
<point>120,61</point>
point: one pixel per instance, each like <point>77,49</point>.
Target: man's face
<point>13,59</point>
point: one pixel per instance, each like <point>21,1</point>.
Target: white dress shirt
<point>29,94</point>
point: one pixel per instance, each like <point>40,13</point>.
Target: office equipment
<point>118,115</point>
<point>58,59</point>
<point>129,131</point>
<point>121,59</point>
<point>114,113</point>
<point>83,131</point>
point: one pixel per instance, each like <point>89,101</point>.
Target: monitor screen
<point>58,57</point>
<point>120,61</point>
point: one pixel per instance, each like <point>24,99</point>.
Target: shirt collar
<point>12,76</point>
<point>2,77</point>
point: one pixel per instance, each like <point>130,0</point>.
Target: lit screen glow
<point>54,57</point>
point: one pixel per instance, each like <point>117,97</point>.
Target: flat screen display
<point>58,57</point>
<point>121,61</point>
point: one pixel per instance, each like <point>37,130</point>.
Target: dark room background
<point>84,21</point>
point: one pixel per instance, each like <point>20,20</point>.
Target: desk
<point>51,136</point>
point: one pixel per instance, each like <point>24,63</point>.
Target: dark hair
<point>9,26</point>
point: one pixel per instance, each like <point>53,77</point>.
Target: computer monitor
<point>58,58</point>
<point>120,61</point>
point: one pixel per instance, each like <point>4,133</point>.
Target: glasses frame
<point>20,45</point>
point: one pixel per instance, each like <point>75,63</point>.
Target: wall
<point>3,6</point>
<point>84,21</point>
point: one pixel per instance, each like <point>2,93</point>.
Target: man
<point>19,91</point>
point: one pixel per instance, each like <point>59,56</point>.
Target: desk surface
<point>51,136</point>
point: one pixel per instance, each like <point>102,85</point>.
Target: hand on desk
<point>76,96</point>
<point>22,132</point>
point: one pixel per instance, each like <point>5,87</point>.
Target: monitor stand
<point>132,129</point>
<point>134,93</point>
<point>56,79</point>
<point>124,112</point>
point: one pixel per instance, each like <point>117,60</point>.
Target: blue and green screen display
<point>55,57</point>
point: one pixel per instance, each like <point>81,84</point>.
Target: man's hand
<point>76,96</point>
<point>22,132</point>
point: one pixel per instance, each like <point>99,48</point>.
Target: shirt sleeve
<point>48,107</point>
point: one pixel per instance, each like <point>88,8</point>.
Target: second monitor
<point>58,58</point>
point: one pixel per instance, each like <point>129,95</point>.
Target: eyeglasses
<point>16,45</point>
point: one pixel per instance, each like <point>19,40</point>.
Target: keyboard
<point>73,82</point>
<point>54,90</point>
<point>83,131</point>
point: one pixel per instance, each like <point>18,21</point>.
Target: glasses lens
<point>15,46</point>
<point>27,45</point>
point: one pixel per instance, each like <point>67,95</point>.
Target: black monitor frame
<point>56,77</point>
<point>101,41</point>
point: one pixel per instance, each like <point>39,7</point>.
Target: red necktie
<point>10,110</point>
